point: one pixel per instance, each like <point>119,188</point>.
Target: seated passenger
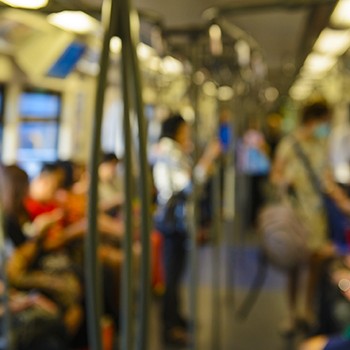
<point>18,226</point>
<point>110,184</point>
<point>50,272</point>
<point>42,190</point>
<point>35,321</point>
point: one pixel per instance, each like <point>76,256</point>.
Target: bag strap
<point>316,184</point>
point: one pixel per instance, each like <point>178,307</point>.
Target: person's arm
<point>42,223</point>
<point>70,233</point>
<point>278,170</point>
<point>315,343</point>
<point>279,166</point>
<point>106,226</point>
<point>203,167</point>
<point>18,269</point>
<point>110,226</point>
<point>338,195</point>
<point>117,201</point>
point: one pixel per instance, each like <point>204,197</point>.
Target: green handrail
<point>133,90</point>
<point>144,179</point>
<point>92,268</point>
<point>127,317</point>
<point>216,238</point>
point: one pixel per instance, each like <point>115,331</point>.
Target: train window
<point>39,105</point>
<point>38,129</point>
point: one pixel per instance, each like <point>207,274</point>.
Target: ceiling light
<point>155,63</point>
<point>215,40</point>
<point>341,14</point>
<point>28,4</point>
<point>317,63</point>
<point>209,88</point>
<point>171,65</point>
<point>301,88</point>
<point>310,76</point>
<point>115,44</point>
<point>75,21</point>
<point>271,94</point>
<point>225,93</point>
<point>188,113</point>
<point>333,42</point>
<point>144,51</point>
<point>299,92</point>
<point>303,83</point>
<point>199,78</point>
<point>243,52</point>
<point>215,32</point>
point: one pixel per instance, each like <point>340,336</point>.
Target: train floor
<point>219,327</point>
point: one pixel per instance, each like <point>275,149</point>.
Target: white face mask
<point>322,130</point>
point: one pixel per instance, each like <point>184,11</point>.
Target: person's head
<point>44,187</point>
<point>67,170</point>
<point>14,186</point>
<point>107,167</point>
<point>176,128</point>
<point>316,117</point>
<point>274,122</point>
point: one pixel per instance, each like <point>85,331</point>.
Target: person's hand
<point>206,162</point>
<point>327,251</point>
<point>213,150</point>
<point>341,278</point>
<point>63,285</point>
<point>44,221</point>
<point>44,303</point>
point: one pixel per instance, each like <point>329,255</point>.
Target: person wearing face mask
<point>308,143</point>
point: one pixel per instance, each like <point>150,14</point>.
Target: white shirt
<point>172,169</point>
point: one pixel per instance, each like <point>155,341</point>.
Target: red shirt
<point>35,208</point>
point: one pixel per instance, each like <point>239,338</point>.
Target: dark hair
<point>171,125</point>
<point>14,183</point>
<point>316,111</point>
<point>67,168</point>
<point>50,168</point>
<point>109,157</point>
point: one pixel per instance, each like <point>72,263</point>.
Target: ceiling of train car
<point>284,30</point>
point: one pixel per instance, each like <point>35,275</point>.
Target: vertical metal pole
<point>193,256</point>
<point>127,290</point>
<point>92,270</point>
<point>144,183</point>
<point>131,78</point>
<point>229,236</point>
<point>216,271</point>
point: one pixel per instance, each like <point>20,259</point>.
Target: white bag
<point>283,236</point>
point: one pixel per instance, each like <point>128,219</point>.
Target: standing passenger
<point>172,174</point>
<point>290,173</point>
